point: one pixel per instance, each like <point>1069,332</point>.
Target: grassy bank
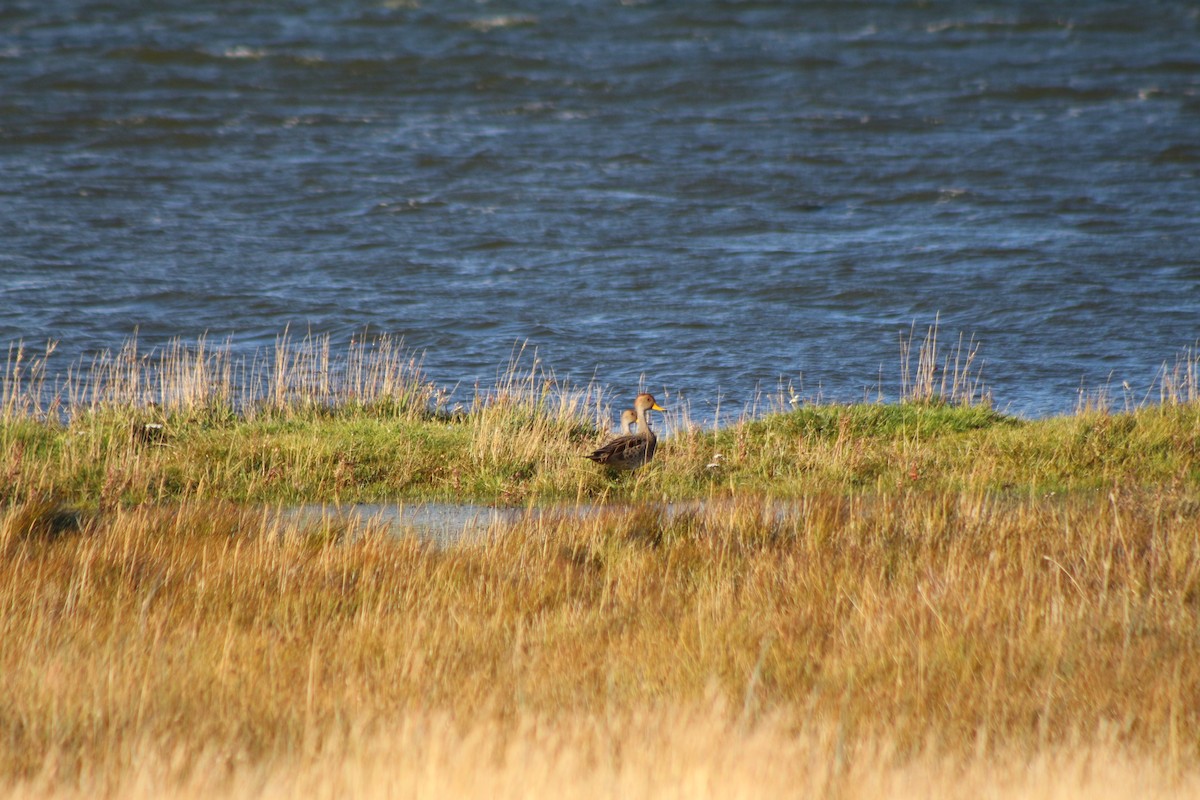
<point>308,425</point>
<point>510,456</point>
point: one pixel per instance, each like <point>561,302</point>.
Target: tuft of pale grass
<point>23,393</point>
<point>1179,383</point>
<point>961,373</point>
<point>205,381</point>
<point>527,424</point>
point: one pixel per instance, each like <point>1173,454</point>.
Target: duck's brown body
<point>631,450</point>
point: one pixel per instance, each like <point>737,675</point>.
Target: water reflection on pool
<point>446,524</point>
<point>440,523</point>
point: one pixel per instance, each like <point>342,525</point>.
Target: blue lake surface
<point>705,197</point>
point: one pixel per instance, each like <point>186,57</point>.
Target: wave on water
<point>709,198</point>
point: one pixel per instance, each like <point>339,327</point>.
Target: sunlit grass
<point>919,598</point>
<point>962,625</point>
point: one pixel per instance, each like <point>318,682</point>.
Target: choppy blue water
<point>709,194</point>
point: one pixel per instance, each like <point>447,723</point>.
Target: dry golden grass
<point>206,380</point>
<point>847,644</point>
<point>658,753</point>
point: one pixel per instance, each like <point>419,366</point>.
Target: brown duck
<point>631,450</point>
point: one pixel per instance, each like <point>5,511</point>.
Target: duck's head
<point>646,402</point>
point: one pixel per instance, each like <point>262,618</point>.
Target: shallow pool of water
<point>445,524</point>
<point>440,523</point>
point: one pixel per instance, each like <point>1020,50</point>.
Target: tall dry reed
<point>956,379</point>
<point>189,379</point>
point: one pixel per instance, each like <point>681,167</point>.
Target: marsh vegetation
<point>925,597</point>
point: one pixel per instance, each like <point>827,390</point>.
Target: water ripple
<point>711,196</point>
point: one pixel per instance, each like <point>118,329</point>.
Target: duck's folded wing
<point>623,448</point>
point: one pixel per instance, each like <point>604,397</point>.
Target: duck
<point>631,450</point>
<point>628,418</point>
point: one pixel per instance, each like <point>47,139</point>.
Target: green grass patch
<point>309,425</point>
<point>492,455</point>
